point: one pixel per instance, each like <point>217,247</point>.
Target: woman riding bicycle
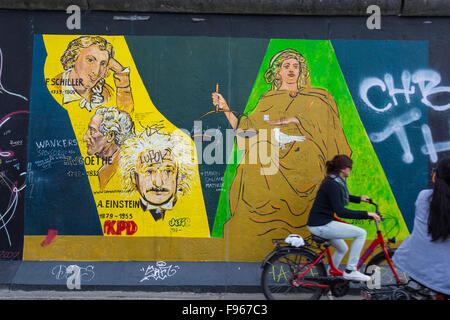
<point>332,197</point>
<point>425,254</point>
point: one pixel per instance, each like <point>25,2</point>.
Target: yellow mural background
<point>189,206</point>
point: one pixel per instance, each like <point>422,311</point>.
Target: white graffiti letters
<point>426,80</point>
<point>397,126</point>
<point>407,90</point>
<point>430,148</point>
<point>160,272</point>
<point>73,275</point>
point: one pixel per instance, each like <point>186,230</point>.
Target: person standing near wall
<point>424,255</point>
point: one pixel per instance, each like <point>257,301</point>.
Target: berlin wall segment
<point>165,147</point>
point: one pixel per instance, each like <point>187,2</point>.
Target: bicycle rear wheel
<point>283,268</point>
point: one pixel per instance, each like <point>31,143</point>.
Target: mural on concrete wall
<point>138,168</point>
<point>13,149</point>
<point>323,113</point>
<point>292,131</point>
<point>212,147</point>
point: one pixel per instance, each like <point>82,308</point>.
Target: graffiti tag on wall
<point>73,274</point>
<point>13,137</point>
<point>427,84</point>
<point>160,271</point>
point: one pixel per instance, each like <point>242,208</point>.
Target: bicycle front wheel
<point>282,269</point>
<point>386,275</point>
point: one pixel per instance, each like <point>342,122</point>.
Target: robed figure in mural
<point>287,139</point>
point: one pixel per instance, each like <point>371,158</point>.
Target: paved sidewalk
<point>6,294</point>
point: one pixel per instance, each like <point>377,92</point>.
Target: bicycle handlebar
<point>370,201</point>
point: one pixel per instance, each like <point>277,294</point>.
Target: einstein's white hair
<point>181,151</point>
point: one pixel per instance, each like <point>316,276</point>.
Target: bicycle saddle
<point>318,239</point>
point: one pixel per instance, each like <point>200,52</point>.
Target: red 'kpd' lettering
<point>113,227</point>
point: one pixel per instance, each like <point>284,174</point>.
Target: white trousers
<point>336,232</point>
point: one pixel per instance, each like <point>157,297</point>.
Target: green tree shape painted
<point>368,177</point>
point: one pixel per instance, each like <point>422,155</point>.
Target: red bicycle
<point>299,273</point>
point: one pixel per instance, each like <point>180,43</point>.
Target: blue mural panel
<point>387,82</point>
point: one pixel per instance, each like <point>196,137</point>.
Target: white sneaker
<point>356,276</point>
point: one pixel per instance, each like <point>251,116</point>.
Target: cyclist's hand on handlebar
<point>365,198</point>
<point>375,216</point>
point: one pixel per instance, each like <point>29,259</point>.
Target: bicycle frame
<point>378,241</point>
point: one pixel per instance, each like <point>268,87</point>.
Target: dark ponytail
<point>334,166</point>
<point>439,217</point>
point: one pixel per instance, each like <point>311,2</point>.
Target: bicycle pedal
<point>295,283</point>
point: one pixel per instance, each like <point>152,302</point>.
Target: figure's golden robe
<point>275,183</point>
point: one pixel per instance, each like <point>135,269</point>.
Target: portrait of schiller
<point>88,61</point>
<point>160,167</point>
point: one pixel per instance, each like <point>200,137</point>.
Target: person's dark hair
<point>335,165</point>
<point>339,162</point>
<point>439,217</point>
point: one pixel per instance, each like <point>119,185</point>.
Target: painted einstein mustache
<point>155,189</point>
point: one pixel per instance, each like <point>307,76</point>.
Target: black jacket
<point>328,201</point>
